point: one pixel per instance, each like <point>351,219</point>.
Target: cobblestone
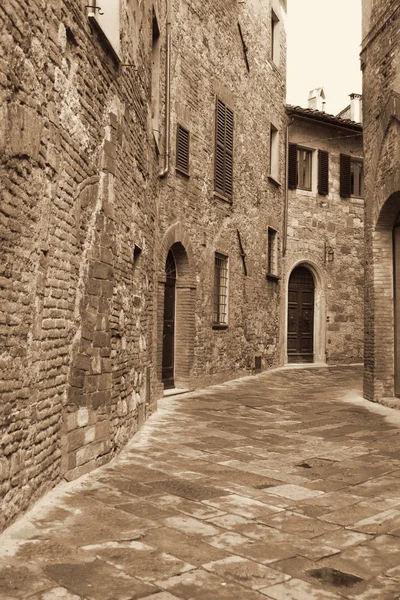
<point>282,486</point>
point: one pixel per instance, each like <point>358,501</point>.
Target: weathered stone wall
<point>79,176</point>
<point>380,60</point>
<point>209,61</point>
<point>319,222</point>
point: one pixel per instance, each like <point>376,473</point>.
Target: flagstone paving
<point>283,486</point>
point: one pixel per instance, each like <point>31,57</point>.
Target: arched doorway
<point>168,352</point>
<point>300,330</point>
<point>396,299</point>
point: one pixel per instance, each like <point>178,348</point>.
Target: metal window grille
<point>220,289</point>
<point>272,251</point>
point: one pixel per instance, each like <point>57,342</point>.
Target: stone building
<point>380,62</point>
<point>142,165</point>
<point>79,171</point>
<point>323,246</point>
<point>220,207</point>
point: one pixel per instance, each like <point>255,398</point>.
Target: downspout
<point>165,169</point>
<point>286,205</point>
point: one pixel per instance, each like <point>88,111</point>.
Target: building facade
<point>143,162</point>
<point>323,285</point>
<point>380,62</point>
<point>220,206</point>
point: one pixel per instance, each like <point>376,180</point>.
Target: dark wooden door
<point>169,323</point>
<point>300,343</point>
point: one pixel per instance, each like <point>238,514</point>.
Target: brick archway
<point>380,306</point>
<point>176,240</point>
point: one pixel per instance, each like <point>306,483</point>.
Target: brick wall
<point>209,61</point>
<point>381,88</point>
<point>79,176</point>
<point>319,222</point>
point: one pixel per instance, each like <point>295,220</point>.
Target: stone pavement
<point>284,486</point>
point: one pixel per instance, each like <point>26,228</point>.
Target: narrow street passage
<point>283,486</point>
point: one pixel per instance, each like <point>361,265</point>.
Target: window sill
<point>223,198</point>
<point>273,180</point>
<point>220,326</point>
<point>272,277</point>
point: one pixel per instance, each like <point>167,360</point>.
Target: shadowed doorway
<point>300,338</point>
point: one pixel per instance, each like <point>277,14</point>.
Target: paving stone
<point>190,526</point>
<point>246,572</point>
<point>295,492</point>
<point>296,589</point>
<point>245,507</point>
<point>98,581</point>
<point>19,582</point>
<point>188,489</point>
<point>290,522</point>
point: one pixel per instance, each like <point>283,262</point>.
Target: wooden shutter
<point>345,176</point>
<point>323,172</point>
<point>292,167</point>
<point>223,179</point>
<point>182,149</point>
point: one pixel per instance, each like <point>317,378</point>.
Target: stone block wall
<point>380,60</point>
<point>209,61</point>
<point>79,176</point>
<point>318,223</point>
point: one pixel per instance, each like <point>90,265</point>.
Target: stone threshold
<point>175,392</point>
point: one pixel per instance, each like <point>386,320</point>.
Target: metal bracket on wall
<point>244,48</point>
<point>242,252</point>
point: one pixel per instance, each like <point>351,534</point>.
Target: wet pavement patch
<point>334,577</point>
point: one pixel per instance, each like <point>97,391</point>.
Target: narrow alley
<point>283,486</point>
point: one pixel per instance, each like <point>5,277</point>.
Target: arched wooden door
<point>300,340</point>
<point>168,356</point>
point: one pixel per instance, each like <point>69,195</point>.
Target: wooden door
<point>169,324</point>
<point>300,342</point>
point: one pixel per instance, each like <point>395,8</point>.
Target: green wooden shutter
<point>345,176</point>
<point>292,167</point>
<point>323,172</point>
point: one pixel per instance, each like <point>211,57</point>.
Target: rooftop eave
<point>321,117</point>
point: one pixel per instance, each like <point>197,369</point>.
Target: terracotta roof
<point>322,116</point>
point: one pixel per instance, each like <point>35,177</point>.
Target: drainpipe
<point>286,205</point>
<point>165,169</point>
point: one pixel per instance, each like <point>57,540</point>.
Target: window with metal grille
<point>272,251</point>
<point>182,149</point>
<point>223,171</point>
<point>220,290</point>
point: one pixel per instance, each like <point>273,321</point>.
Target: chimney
<point>356,108</point>
<point>316,99</point>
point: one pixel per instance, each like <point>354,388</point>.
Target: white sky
<point>324,38</point>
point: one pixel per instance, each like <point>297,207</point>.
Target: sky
<point>324,39</point>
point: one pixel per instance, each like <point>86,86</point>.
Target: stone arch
<point>319,309</point>
<point>177,241</point>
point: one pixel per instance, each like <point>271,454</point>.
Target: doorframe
<point>319,346</point>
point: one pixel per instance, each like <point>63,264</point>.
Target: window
<point>223,150</point>
<point>275,38</point>
<point>300,167</point>
<point>272,251</point>
<point>357,178</point>
<point>351,177</point>
<point>104,14</point>
<point>220,317</point>
<point>274,153</point>
<point>182,149</point>
<point>304,160</point>
<point>155,80</point>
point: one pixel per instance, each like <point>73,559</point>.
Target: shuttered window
<point>223,150</point>
<point>323,172</point>
<point>304,168</point>
<point>357,178</point>
<point>182,149</point>
<point>345,176</point>
<point>292,167</point>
